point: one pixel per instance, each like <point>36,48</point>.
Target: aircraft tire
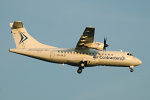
<point>131,70</point>
<point>79,71</point>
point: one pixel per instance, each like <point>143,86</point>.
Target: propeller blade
<point>105,39</point>
<point>105,45</point>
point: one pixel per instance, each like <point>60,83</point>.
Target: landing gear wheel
<point>82,65</point>
<point>131,70</point>
<point>79,71</point>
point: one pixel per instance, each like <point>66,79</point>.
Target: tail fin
<point>23,39</point>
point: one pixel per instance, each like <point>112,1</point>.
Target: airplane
<point>87,53</point>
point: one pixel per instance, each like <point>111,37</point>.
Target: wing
<point>86,38</point>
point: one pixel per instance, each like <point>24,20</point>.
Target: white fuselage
<point>75,56</point>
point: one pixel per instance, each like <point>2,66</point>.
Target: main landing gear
<point>82,65</point>
<point>131,68</point>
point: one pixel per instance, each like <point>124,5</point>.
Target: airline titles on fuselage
<point>95,55</point>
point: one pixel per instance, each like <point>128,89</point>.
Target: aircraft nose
<point>139,62</point>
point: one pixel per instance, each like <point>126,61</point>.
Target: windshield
<point>129,54</point>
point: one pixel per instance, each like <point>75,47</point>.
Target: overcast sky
<point>60,23</point>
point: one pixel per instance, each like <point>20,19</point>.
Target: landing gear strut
<point>131,68</point>
<point>82,65</point>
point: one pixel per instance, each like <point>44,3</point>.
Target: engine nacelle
<point>95,45</point>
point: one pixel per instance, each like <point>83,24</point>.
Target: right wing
<point>86,38</point>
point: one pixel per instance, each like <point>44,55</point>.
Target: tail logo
<point>23,37</point>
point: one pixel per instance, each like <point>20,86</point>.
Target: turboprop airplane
<point>87,53</point>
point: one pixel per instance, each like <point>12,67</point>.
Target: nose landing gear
<point>131,68</point>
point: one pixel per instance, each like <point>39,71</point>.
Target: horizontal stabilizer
<point>17,24</point>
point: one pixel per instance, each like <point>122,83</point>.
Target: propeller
<point>105,45</point>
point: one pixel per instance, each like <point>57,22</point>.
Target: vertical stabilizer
<point>23,39</point>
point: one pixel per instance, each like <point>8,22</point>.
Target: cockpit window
<point>129,54</point>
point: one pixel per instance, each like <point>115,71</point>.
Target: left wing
<point>86,38</point>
